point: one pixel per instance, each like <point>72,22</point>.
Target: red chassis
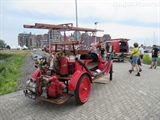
<point>66,73</point>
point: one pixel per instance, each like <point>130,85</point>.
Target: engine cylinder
<point>55,88</point>
<point>64,66</point>
<point>31,85</point>
<point>52,90</point>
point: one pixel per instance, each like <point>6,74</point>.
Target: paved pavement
<point>126,97</point>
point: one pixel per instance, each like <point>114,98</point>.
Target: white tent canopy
<point>19,47</point>
<point>25,47</point>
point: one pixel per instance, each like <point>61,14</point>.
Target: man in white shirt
<point>141,53</point>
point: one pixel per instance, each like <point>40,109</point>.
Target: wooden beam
<point>51,26</point>
<point>61,27</point>
<point>86,29</point>
<point>65,43</point>
<point>83,52</point>
<point>28,26</point>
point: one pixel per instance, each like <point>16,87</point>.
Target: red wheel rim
<point>84,89</point>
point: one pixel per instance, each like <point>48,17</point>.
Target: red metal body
<point>63,66</point>
<point>55,87</point>
<point>119,46</point>
<point>74,79</point>
<point>36,74</point>
<point>65,74</point>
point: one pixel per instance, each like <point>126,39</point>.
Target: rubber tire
<point>81,95</point>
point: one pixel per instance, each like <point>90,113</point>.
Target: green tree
<point>8,47</point>
<point>2,44</point>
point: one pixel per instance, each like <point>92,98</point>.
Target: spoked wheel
<point>83,88</point>
<point>56,60</point>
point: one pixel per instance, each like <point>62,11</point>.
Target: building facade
<point>33,41</point>
<point>23,39</point>
<point>54,36</point>
<point>39,41</point>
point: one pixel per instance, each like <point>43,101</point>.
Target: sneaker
<point>150,67</point>
<point>130,71</point>
<point>140,70</point>
<point>155,67</point>
<point>138,74</point>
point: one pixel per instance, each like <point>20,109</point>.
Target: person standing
<point>135,56</point>
<point>102,52</point>
<point>141,53</point>
<point>155,51</point>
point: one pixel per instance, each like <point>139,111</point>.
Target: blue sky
<point>134,19</point>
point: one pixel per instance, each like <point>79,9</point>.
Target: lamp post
<point>95,31</point>
<point>96,25</point>
<point>49,41</point>
<point>76,14</point>
<point>76,17</point>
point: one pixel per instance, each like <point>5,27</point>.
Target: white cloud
<point>134,33</point>
<point>58,7</point>
<point>119,30</point>
<point>144,11</point>
<point>112,14</point>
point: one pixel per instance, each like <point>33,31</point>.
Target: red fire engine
<point>66,72</point>
<point>119,46</point>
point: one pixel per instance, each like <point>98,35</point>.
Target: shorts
<point>154,59</point>
<point>135,59</point>
<point>138,61</point>
<point>141,56</point>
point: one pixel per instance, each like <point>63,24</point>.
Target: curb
<point>11,95</point>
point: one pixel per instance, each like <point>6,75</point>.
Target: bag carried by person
<point>133,54</point>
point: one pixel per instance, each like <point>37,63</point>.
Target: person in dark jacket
<point>102,53</point>
<point>155,51</point>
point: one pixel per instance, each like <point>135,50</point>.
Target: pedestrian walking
<point>135,56</point>
<point>155,51</point>
<point>141,53</point>
<point>139,64</point>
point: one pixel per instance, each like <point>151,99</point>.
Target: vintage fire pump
<point>67,71</point>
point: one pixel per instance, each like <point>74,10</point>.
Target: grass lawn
<point>10,64</point>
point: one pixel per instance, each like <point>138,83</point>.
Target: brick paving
<point>126,97</point>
